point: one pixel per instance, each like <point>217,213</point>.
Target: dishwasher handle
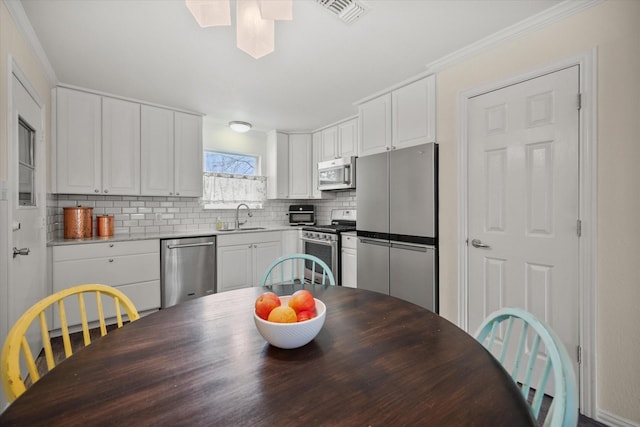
<point>189,245</point>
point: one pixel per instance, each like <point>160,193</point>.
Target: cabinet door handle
<point>106,191</point>
<point>96,190</point>
<point>110,259</point>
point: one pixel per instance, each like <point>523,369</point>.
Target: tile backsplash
<point>134,214</point>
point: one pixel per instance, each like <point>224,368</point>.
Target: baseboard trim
<point>614,420</point>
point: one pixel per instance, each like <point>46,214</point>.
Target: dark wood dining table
<point>378,361</point>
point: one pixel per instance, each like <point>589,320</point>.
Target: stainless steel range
<point>323,241</point>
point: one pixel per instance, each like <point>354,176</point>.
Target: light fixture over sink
<point>240,127</point>
<point>254,20</point>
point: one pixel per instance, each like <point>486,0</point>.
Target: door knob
<point>477,243</point>
<point>23,251</point>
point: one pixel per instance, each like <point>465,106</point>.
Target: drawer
<point>349,241</point>
<point>113,271</point>
<point>248,238</point>
<point>145,296</point>
<point>106,249</point>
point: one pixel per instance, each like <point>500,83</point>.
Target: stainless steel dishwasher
<point>188,268</point>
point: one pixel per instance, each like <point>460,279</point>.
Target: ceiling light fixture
<point>240,127</point>
<point>255,28</point>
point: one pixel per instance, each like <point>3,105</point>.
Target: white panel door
<point>523,203</point>
<point>27,171</point>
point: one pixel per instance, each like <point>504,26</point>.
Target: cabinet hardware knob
<point>110,245</point>
<point>110,259</point>
<point>177,194</point>
<point>106,191</point>
<point>170,193</point>
<point>96,190</point>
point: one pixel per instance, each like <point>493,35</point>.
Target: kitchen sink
<point>244,229</point>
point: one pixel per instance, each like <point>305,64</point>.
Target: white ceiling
<point>153,50</point>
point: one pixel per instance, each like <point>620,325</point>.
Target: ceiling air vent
<point>347,10</point>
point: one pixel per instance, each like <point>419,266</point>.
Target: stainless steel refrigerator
<point>397,225</point>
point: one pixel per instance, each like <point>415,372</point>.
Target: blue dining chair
<point>499,327</point>
<point>292,270</point>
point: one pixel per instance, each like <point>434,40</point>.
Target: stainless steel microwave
<point>337,174</point>
<point>302,215</point>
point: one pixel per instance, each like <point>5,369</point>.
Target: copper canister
<point>105,225</point>
<point>78,222</point>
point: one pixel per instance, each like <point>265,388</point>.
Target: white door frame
<point>6,251</point>
<point>587,206</point>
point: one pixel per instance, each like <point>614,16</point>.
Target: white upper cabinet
<point>329,144</point>
<point>277,165</point>
<point>120,147</point>
<point>188,154</point>
<point>402,118</point>
<point>339,141</point>
<point>97,144</point>
<point>300,172</point>
<point>171,153</point>
<point>78,142</point>
<point>107,145</point>
<point>375,126</point>
<point>157,151</point>
<point>348,138</point>
<point>288,166</point>
<point>413,113</point>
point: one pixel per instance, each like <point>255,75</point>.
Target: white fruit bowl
<point>291,335</point>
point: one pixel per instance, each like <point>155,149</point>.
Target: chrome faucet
<point>249,214</point>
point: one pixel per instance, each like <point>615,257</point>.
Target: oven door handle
<point>319,242</point>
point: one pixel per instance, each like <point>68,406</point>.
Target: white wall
<point>613,27</point>
<point>14,46</point>
<point>217,136</point>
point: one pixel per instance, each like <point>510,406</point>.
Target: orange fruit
<point>282,314</point>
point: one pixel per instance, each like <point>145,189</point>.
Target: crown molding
<point>22,22</point>
<point>549,16</point>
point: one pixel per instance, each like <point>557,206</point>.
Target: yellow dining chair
<point>108,303</point>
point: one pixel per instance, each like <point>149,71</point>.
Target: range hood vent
<point>347,11</point>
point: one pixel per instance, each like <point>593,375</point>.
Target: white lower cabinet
<point>132,266</point>
<point>349,260</point>
<point>242,259</point>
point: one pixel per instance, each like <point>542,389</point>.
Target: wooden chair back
<point>536,349</point>
<point>292,269</point>
<point>33,323</point>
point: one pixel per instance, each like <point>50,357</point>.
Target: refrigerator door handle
<point>375,242</point>
<point>409,247</point>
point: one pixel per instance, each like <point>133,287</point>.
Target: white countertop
<point>58,241</point>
